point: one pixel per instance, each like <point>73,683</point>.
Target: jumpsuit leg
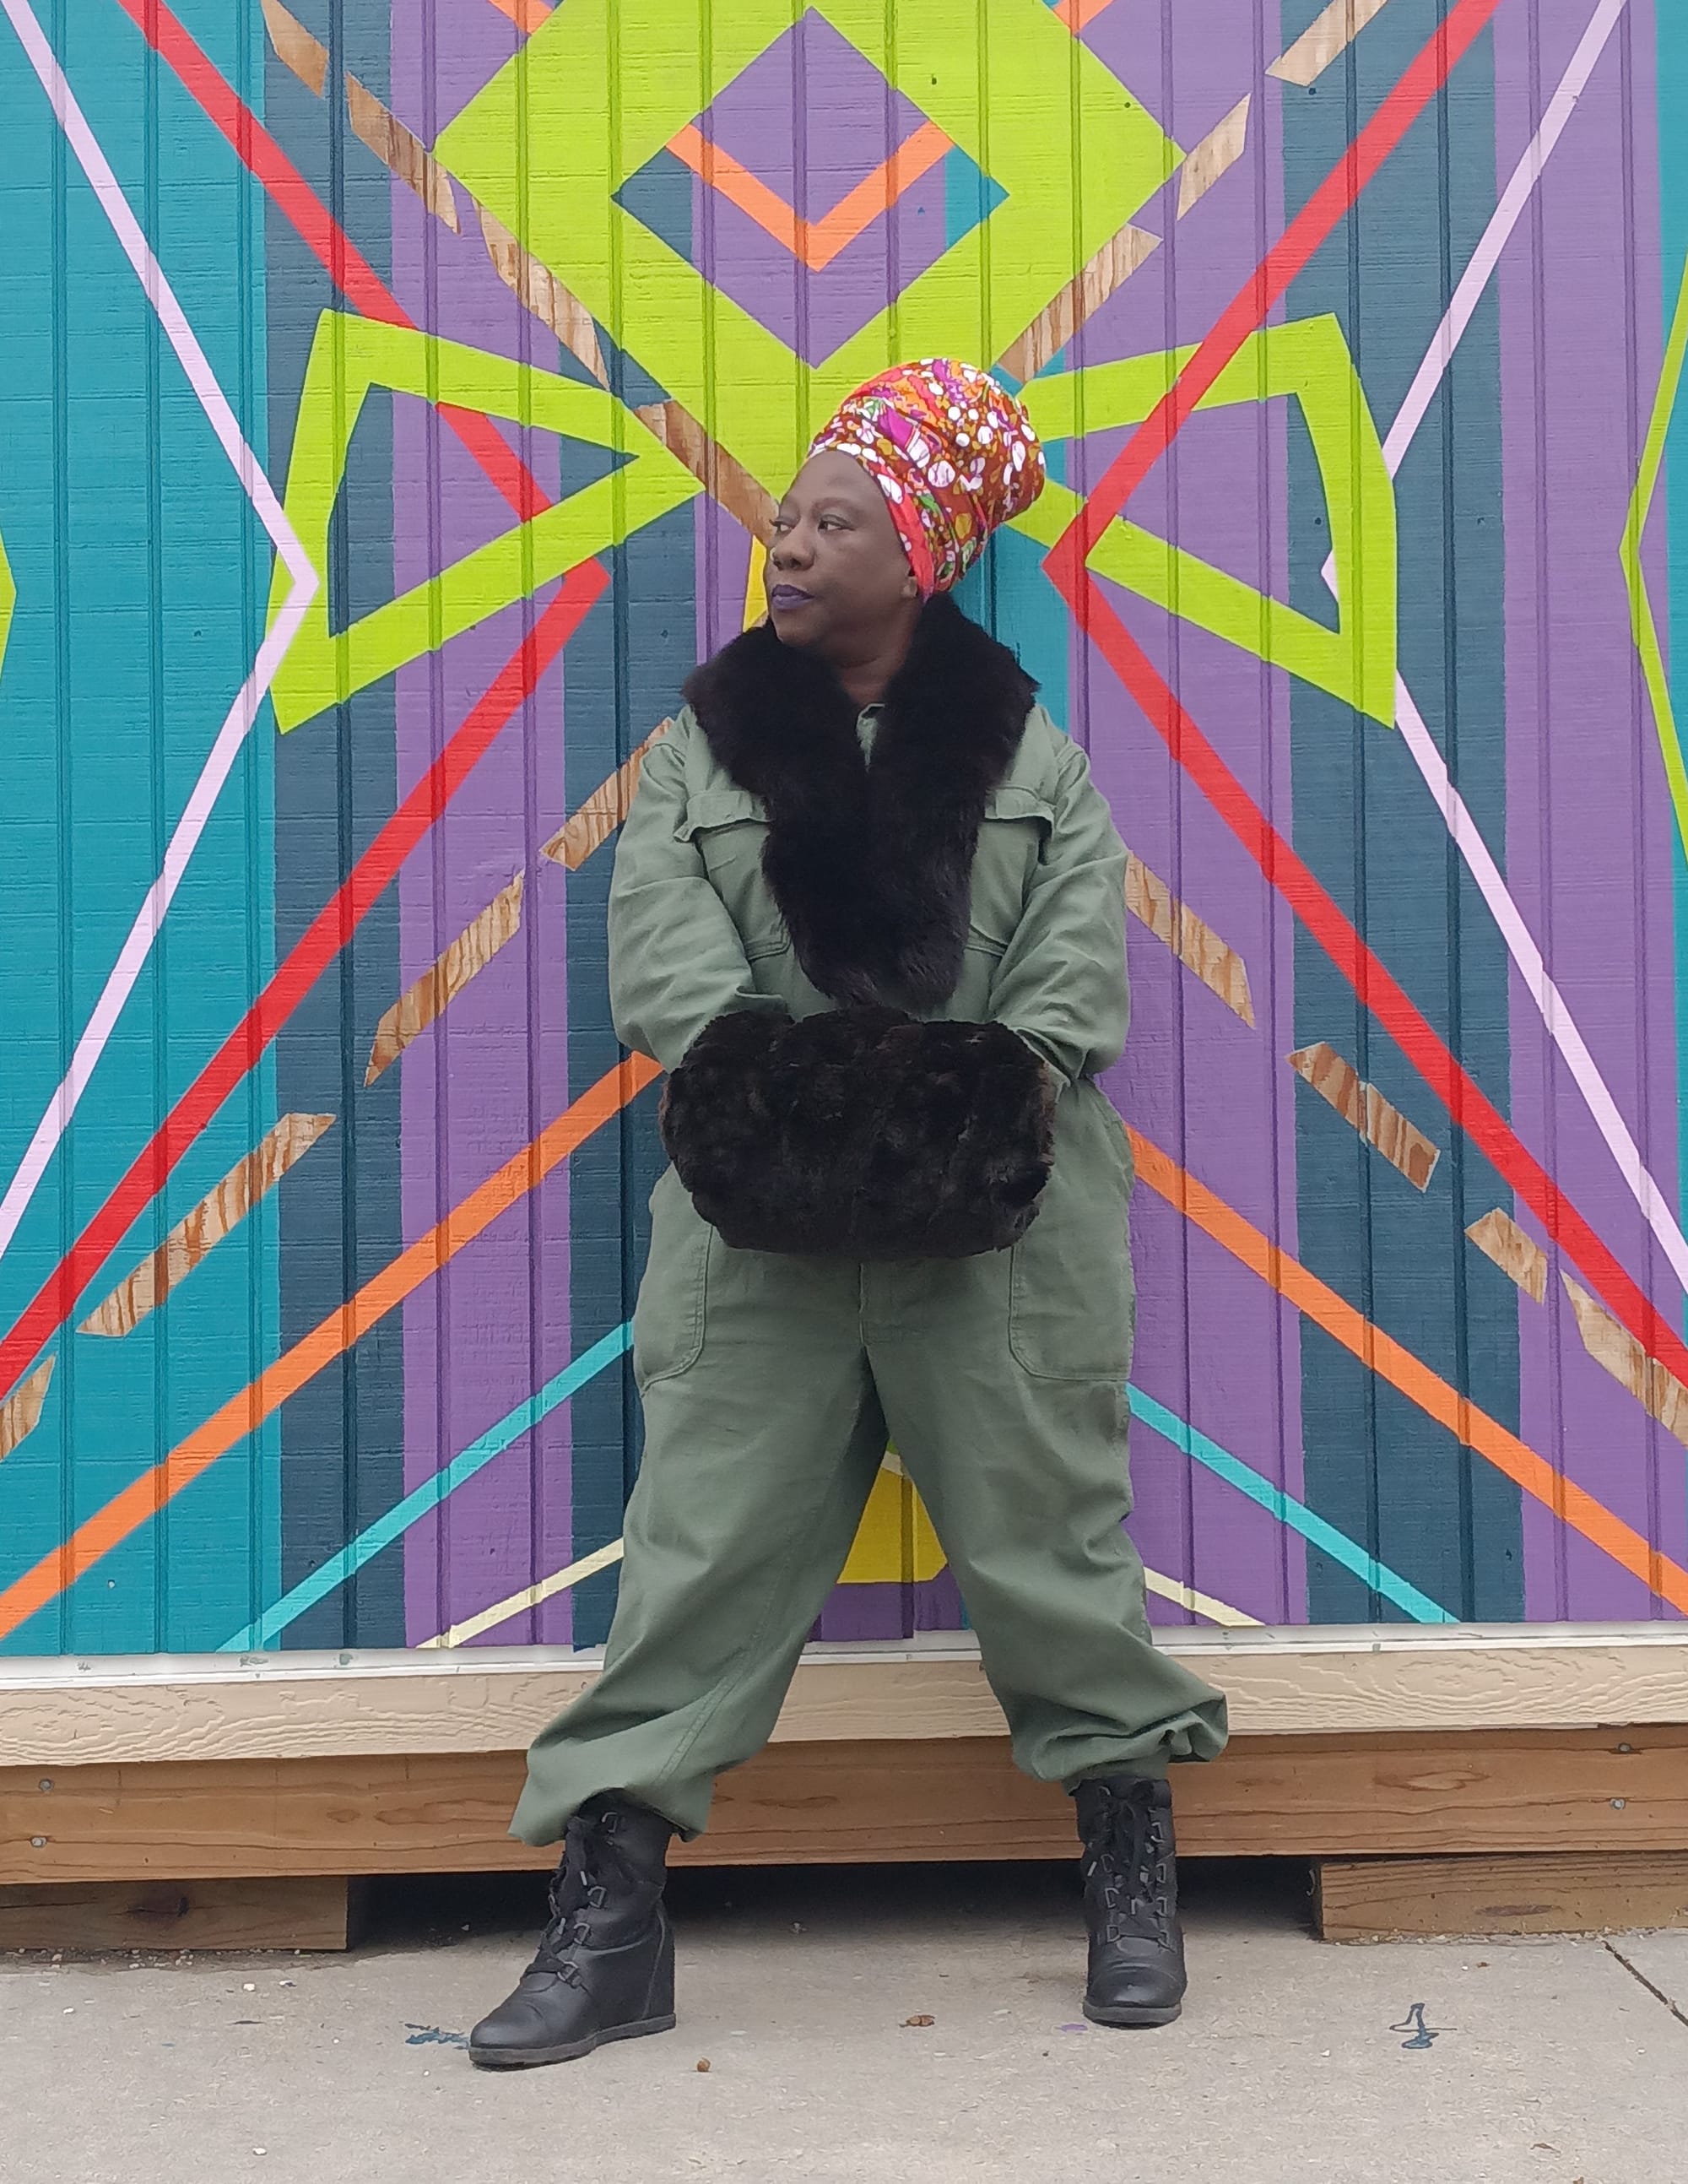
<point>763,1436</point>
<point>1003,1383</point>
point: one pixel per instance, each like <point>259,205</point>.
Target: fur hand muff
<point>861,1134</point>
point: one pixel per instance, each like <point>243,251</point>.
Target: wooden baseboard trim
<point>1383,1899</point>
<point>1387,1679</point>
<point>312,1911</point>
<point>831,1802</point>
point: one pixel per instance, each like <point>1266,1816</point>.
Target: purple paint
<point>816,313</point>
<point>864,1613</point>
<point>494,1325</point>
<point>811,119</point>
<point>1588,814</point>
<point>1216,1344</point>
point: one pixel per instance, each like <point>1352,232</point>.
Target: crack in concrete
<point>1657,1993</point>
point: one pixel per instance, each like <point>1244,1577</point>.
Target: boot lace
<point>576,1889</point>
<point>1128,1865</point>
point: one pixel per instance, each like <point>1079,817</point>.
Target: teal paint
<point>970,195</point>
<point>1374,1575</point>
<point>1388,1474</point>
<point>1671,31</point>
<point>342,1457</point>
<point>142,576</point>
<point>356,1554</point>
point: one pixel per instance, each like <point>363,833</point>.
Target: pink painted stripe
<point>1521,946</point>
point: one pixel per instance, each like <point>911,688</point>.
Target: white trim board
<point>1331,1680</point>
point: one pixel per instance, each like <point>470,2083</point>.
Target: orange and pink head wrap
<point>953,452</point>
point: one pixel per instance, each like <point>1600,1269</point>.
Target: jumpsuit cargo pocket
<point>1071,1301</point>
<point>668,1318</point>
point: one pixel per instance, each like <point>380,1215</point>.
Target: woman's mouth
<point>784,598</point>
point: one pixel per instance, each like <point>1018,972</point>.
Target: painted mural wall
<point>391,396</point>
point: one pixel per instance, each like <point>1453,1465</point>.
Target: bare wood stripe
<point>539,290</point>
<point>602,811</point>
<point>20,1412</point>
<point>1520,1257</point>
<point>1090,288</point>
<point>1218,152</point>
<point>444,979</point>
<point>295,46</point>
<point>202,1229</point>
<point>1614,1347</point>
<point>1325,37</point>
<point>1197,946</point>
<point>407,156</point>
<point>724,477</point>
<point>1402,1144</point>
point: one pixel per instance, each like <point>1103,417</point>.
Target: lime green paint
<point>350,356</point>
<point>8,599</point>
<point>1641,621</point>
<point>1310,361</point>
<point>604,85</point>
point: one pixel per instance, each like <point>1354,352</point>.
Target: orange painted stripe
<point>723,172</point>
<point>853,215</point>
<point>816,242</point>
<point>526,15</point>
<point>1479,1432</point>
<point>242,1414</point>
<point>1076,14</point>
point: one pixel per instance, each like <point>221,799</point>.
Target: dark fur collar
<point>871,865</point>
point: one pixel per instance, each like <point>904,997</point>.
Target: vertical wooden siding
<point>312,1311</point>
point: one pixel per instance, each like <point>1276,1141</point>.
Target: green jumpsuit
<point>771,1383</point>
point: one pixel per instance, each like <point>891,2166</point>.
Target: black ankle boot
<point>1131,1901</point>
<point>605,1969</point>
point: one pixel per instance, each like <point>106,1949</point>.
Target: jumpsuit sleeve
<point>1062,983</point>
<point>676,958</point>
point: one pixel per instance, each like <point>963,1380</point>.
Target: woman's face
<point>839,580</point>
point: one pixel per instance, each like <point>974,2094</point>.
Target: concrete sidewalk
<point>1540,2062</point>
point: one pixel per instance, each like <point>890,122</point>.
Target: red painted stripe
<point>1470,1110</point>
<point>350,271</point>
<point>327,933</point>
<point>57,1299</point>
<point>1269,282</point>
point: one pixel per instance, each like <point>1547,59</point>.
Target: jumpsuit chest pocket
<point>729,828</point>
<point>1016,823</point>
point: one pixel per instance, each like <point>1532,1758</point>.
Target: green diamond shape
<point>598,90</point>
<point>1309,362</point>
<point>348,357</point>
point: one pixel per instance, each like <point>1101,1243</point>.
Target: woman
<point>868,912</point>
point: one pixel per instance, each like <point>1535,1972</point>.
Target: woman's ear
<point>910,586</point>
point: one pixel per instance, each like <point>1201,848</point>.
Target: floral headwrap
<point>954,455</point>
